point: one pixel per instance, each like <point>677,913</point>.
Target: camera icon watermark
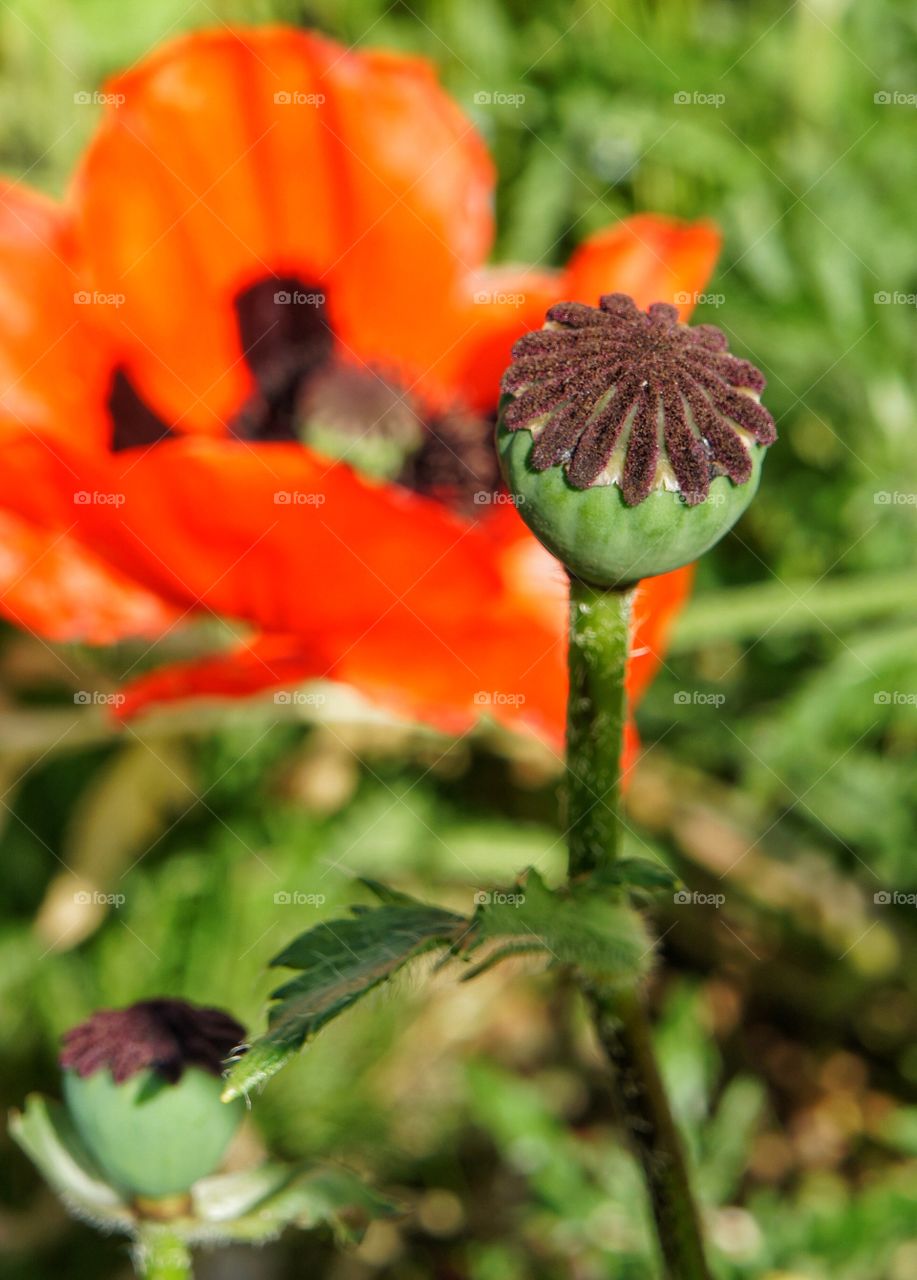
<point>95,698</point>
<point>96,298</point>
<point>83,98</point>
<point>691,898</point>
<point>693,98</point>
<point>486,498</point>
<point>894,98</point>
<point>497,98</point>
<point>92,898</point>
<point>894,898</point>
<point>299,298</point>
<point>83,498</point>
<point>897,498</point>
<point>497,897</point>
<point>297,898</point>
<point>498,298</point>
<point>298,498</point>
<point>298,698</point>
<point>712,498</point>
<point>695,698</point>
<point>894,698</point>
<point>697,299</point>
<point>296,98</point>
<point>498,698</point>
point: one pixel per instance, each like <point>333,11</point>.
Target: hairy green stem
<point>163,1255</point>
<point>596,716</point>
<point>596,713</point>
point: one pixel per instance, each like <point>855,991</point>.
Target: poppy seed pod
<point>142,1086</point>
<point>631,442</point>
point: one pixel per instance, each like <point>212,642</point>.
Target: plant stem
<point>596,712</point>
<point>596,715</point>
<point>163,1255</point>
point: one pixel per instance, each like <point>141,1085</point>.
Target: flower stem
<point>596,711</point>
<point>163,1255</point>
<point>596,714</point>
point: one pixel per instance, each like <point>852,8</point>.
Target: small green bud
<point>632,443</point>
<point>143,1085</point>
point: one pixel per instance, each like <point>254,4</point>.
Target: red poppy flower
<point>271,264</point>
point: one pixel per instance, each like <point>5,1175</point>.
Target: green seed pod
<point>143,1085</point>
<point>631,443</point>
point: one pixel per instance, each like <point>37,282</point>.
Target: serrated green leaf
<point>340,956</point>
<point>340,961</point>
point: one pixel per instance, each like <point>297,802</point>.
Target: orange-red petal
<point>54,376</point>
<point>262,663</point>
<point>501,303</point>
<point>653,258</point>
<point>234,154</point>
<point>275,535</point>
<point>53,368</point>
<point>52,586</point>
<point>496,667</point>
<point>506,662</point>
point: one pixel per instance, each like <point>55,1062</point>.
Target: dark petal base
<point>288,344</point>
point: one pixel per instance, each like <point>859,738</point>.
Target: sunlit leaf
<point>339,962</point>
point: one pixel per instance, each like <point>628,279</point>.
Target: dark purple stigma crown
<point>166,1035</point>
<point>617,395</point>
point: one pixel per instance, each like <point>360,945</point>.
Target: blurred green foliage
<point>786,782</point>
